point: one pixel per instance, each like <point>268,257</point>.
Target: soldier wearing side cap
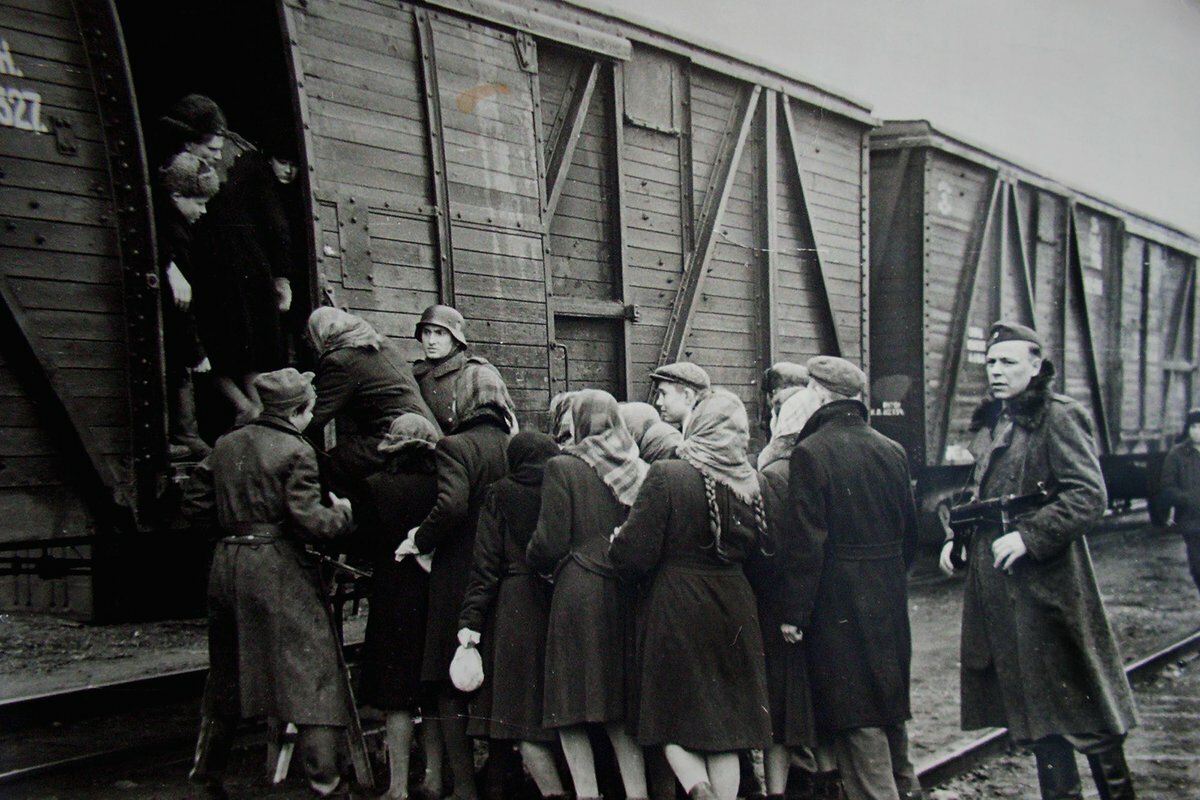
<point>677,389</point>
<point>850,492</point>
<point>1038,655</point>
<point>272,648</point>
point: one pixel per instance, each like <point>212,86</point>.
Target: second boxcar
<point>961,237</point>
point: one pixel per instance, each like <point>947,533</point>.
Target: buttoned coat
<point>273,650</point>
<point>437,384</point>
<point>1038,655</point>
<point>850,491</point>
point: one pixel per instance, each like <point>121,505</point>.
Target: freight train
<point>595,196</point>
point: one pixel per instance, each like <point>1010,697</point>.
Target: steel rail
<point>962,760</point>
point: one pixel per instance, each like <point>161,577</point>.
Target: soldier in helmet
<point>440,332</point>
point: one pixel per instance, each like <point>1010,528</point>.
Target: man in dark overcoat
<point>272,648</point>
<point>850,488</point>
<point>1038,655</point>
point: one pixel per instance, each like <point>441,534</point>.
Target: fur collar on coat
<point>1027,409</point>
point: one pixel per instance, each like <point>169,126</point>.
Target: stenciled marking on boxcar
<point>945,202</point>
<point>20,108</point>
<point>467,100</point>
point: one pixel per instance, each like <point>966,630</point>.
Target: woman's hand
<point>181,290</point>
<point>283,290</point>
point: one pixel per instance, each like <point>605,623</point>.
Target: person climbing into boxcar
<point>696,521</point>
<point>586,494</point>
<point>279,148</point>
<point>363,383</point>
<point>1181,489</point>
<point>655,439</point>
<point>441,332</point>
<point>851,495</point>
<point>185,185</point>
<point>677,389</point>
<point>793,584</point>
<point>193,124</point>
<point>506,611</point>
<point>1038,655</point>
<point>780,381</point>
<point>392,501</point>
<point>242,250</point>
<point>469,460</point>
<point>272,648</point>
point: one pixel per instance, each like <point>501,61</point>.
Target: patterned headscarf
<point>561,427</point>
<point>480,393</point>
<point>604,444</point>
<point>660,441</point>
<point>793,414</point>
<point>638,417</point>
<point>409,442</point>
<point>716,440</point>
<point>332,329</point>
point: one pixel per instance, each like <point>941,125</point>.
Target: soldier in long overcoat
<point>273,651</point>
<point>441,332</point>
<point>1038,655</point>
<point>851,493</point>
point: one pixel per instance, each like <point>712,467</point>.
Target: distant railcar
<point>596,197</point>
<point>961,237</point>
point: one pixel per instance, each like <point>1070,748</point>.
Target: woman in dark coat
<point>655,439</point>
<point>586,494</point>
<point>394,500</point>
<point>507,607</point>
<point>468,462</point>
<point>696,520</point>
<point>363,383</point>
<point>795,575</point>
<point>242,247</point>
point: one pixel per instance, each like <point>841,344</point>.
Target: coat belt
<point>252,533</point>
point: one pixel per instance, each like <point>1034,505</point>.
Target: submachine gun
<point>999,511</point>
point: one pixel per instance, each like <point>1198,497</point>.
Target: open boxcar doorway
<point>234,52</point>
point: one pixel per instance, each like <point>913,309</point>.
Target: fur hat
<point>189,176</point>
<point>194,118</point>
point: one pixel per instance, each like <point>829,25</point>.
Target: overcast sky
<point>1101,94</point>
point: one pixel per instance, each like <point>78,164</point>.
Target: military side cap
<point>284,389</point>
<point>1013,332</point>
<point>837,375</point>
<point>682,372</point>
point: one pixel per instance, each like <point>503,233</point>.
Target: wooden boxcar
<point>961,237</point>
<point>596,197</point>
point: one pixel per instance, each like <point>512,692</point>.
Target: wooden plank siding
<point>62,273</point>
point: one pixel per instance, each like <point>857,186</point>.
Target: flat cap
<point>284,389</point>
<point>837,375</point>
<point>682,372</point>
<point>1003,331</point>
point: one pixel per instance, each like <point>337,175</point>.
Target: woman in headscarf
<point>796,570</point>
<point>696,521</point>
<point>586,494</point>
<point>469,460</point>
<point>363,382</point>
<point>506,609</point>
<point>655,439</point>
<point>562,429</point>
<point>393,500</point>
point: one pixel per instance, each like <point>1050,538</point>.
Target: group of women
<point>603,572</point>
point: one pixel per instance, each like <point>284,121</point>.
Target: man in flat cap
<point>677,389</point>
<point>272,648</point>
<point>849,488</point>
<point>1038,655</point>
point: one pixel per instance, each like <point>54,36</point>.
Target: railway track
<point>960,761</point>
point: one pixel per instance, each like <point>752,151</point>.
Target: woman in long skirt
<point>696,521</point>
<point>393,500</point>
<point>507,609</point>
<point>586,494</point>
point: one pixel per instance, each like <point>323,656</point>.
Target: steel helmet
<point>444,317</point>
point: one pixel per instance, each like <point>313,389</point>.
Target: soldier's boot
<point>1111,774</point>
<point>184,430</point>
<point>212,754</point>
<point>1058,776</point>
